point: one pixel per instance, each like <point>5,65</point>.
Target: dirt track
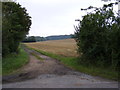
<point>50,73</point>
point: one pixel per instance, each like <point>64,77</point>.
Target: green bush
<point>98,36</point>
<point>16,23</point>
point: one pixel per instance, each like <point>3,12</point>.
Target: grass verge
<point>72,62</point>
<point>38,57</point>
<point>12,62</point>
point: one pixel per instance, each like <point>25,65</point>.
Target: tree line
<point>54,37</point>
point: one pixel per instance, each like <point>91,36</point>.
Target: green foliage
<point>98,36</point>
<point>14,61</point>
<point>16,23</point>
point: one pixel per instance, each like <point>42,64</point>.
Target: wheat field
<point>66,47</point>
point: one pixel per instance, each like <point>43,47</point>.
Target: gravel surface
<point>50,73</point>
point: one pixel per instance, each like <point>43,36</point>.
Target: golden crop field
<point>66,47</point>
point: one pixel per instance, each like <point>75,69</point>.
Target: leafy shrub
<point>16,23</point>
<point>98,36</point>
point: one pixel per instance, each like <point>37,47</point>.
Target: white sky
<point>55,17</point>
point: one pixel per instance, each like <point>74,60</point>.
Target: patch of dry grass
<point>66,47</point>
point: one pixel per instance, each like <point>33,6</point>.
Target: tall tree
<point>16,23</point>
<point>98,37</point>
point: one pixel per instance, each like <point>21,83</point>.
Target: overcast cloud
<point>55,17</point>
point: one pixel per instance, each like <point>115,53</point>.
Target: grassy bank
<point>14,61</point>
<point>72,62</point>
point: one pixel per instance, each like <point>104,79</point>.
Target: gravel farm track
<point>50,73</point>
